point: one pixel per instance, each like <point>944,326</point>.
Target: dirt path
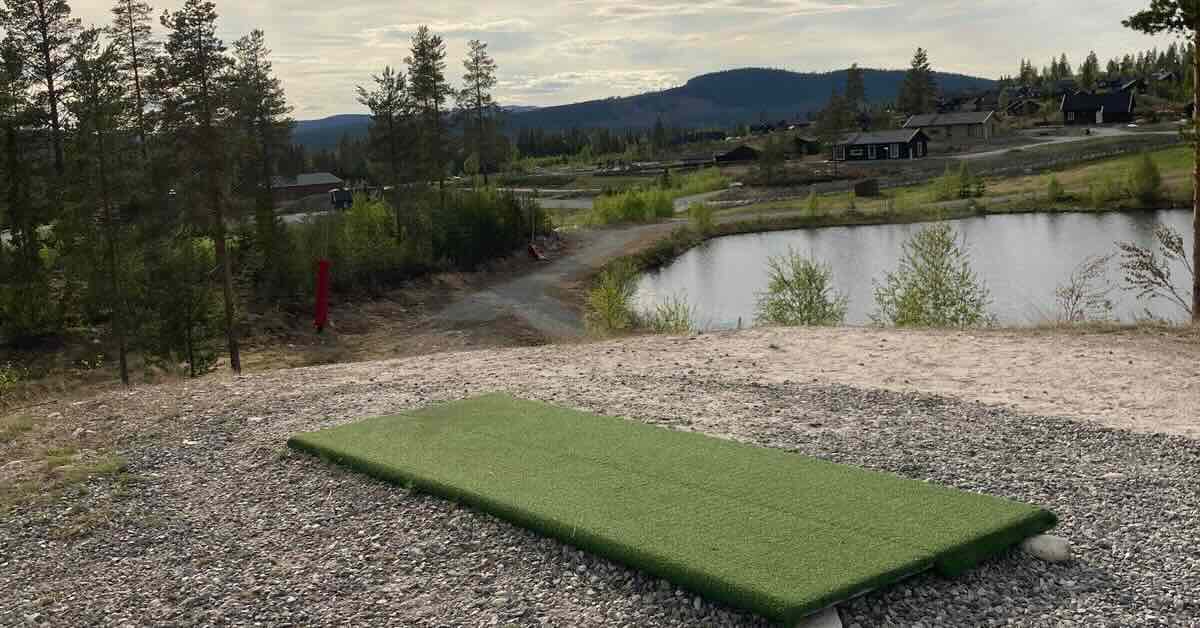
<point>534,298</point>
<point>1097,132</point>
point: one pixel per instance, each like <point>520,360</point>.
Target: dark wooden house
<point>300,186</point>
<point>965,126</point>
<point>741,153</point>
<point>881,145</point>
<point>1111,108</point>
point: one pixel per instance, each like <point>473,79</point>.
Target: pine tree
<point>390,110</point>
<point>476,98</point>
<point>96,88</point>
<point>856,90</point>
<point>1089,72</point>
<point>263,116</point>
<point>429,90</point>
<point>196,100</point>
<point>43,30</point>
<point>131,30</point>
<point>1064,67</point>
<point>919,90</point>
<point>659,137</point>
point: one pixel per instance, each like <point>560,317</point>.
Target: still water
<point>1022,258</point>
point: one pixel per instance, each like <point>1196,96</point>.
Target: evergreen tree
<point>263,117</point>
<point>195,97</point>
<point>1064,67</point>
<point>856,90</point>
<point>476,98</point>
<point>131,30</point>
<point>43,30</point>
<point>1089,72</point>
<point>390,109</point>
<point>25,302</point>
<point>429,90</point>
<point>919,90</point>
<point>659,139</point>
<point>96,88</point>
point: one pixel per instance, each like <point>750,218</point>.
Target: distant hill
<point>728,98</point>
<point>327,132</point>
<point>720,99</point>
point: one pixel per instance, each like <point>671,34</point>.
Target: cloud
<point>558,52</point>
<point>774,8</point>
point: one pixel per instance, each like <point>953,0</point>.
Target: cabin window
<point>839,153</point>
<point>895,151</point>
<point>1070,116</point>
<point>856,152</point>
<point>871,151</point>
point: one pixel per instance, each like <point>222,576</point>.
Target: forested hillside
<point>718,99</point>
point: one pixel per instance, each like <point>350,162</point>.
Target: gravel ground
<point>220,524</point>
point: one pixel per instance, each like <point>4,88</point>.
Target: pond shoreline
<point>1054,255</point>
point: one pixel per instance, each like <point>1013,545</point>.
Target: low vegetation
<point>800,292</point>
<point>1086,296</point>
<point>654,202</point>
<point>1147,271</point>
<point>934,285</point>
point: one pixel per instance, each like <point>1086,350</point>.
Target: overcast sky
<point>562,51</point>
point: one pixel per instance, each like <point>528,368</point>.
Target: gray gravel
<point>224,526</point>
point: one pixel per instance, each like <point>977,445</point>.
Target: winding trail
<point>531,297</point>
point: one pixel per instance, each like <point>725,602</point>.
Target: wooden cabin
<point>882,145</point>
<point>1087,109</point>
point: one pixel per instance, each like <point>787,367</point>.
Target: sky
<point>562,51</point>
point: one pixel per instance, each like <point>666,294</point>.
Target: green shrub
<point>1054,190</point>
<point>635,205</point>
<point>813,205</point>
<point>934,285</point>
<point>1145,181</point>
<point>701,215</point>
<point>673,316</point>
<point>700,182</point>
<point>800,292</point>
<point>610,302</point>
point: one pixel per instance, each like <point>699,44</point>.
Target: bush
<point>1085,295</point>
<point>701,215</point>
<point>800,292</point>
<point>636,205</point>
<point>813,206</point>
<point>934,285</point>
<point>1145,181</point>
<point>674,316</point>
<point>610,302</point>
<point>1148,274</point>
<point>1054,190</point>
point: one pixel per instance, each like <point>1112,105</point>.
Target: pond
<point>1021,257</point>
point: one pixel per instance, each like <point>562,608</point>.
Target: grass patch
<point>13,426</point>
<point>776,533</point>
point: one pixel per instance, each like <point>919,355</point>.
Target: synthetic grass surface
<point>775,533</point>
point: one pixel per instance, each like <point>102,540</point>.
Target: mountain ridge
<point>716,99</point>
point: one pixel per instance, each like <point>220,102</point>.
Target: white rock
<point>828,618</point>
<point>1047,547</point>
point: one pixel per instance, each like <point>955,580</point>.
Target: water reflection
<point>1021,257</point>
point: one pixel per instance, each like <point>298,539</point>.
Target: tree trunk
<point>135,64</point>
<point>235,358</point>
<point>118,310</point>
<point>1196,182</point>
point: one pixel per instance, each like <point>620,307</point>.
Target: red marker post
<point>321,316</point>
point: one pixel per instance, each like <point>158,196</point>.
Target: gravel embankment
<point>224,526</point>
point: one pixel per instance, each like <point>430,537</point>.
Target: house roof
<point>882,137</point>
<point>307,179</point>
<point>1116,102</point>
<point>948,119</point>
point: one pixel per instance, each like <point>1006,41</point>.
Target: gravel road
<point>221,525</point>
<point>533,297</point>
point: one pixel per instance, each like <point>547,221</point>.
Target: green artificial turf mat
<point>776,533</point>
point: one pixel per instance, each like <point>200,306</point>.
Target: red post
<point>321,317</point>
